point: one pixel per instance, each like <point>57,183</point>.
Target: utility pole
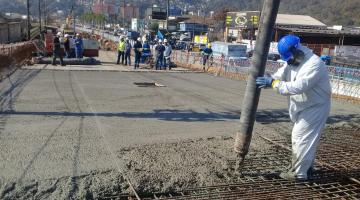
<point>45,13</point>
<point>40,19</point>
<point>252,93</point>
<point>167,15</point>
<point>123,14</point>
<point>28,18</point>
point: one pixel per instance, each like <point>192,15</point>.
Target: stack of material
<point>70,61</point>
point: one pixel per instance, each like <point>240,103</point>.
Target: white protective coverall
<point>308,89</point>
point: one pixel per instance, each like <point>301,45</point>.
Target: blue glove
<point>264,82</point>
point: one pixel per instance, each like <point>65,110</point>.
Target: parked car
<point>133,35</point>
<point>180,45</point>
<point>185,37</point>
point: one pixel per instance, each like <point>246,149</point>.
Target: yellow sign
<point>202,39</point>
<point>254,19</point>
<point>197,39</point>
<point>228,19</point>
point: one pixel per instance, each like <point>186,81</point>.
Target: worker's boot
<point>310,172</point>
<point>291,176</point>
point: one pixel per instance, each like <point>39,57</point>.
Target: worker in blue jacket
<point>79,46</point>
<point>206,53</point>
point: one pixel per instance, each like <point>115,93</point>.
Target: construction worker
<point>206,53</point>
<point>167,54</point>
<point>305,82</point>
<point>67,46</point>
<point>137,51</point>
<point>146,47</point>
<point>146,52</point>
<point>56,50</point>
<point>159,53</point>
<point>121,51</point>
<point>79,46</point>
<point>127,52</point>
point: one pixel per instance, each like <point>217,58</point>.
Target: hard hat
<point>66,35</point>
<point>165,40</point>
<point>160,41</point>
<point>285,45</point>
<point>209,45</point>
<point>77,34</point>
<point>59,34</point>
<point>139,39</point>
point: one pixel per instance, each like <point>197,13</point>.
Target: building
<point>312,32</point>
<point>195,25</point>
<point>247,23</point>
<point>107,7</point>
<point>12,29</point>
<point>175,11</point>
<point>129,11</point>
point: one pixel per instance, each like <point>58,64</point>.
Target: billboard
<point>202,39</point>
<point>243,19</point>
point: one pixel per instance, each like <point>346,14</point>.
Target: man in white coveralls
<point>305,82</point>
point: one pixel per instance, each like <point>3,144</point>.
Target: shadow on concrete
<point>166,115</point>
<point>262,116</point>
<point>282,115</point>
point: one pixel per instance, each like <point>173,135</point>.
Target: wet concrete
<point>76,134</point>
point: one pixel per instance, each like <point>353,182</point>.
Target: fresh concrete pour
<point>73,134</point>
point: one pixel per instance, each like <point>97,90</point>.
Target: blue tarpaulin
<point>160,35</point>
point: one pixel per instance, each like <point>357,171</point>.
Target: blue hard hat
<point>285,45</point>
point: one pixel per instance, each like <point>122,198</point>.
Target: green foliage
<point>154,27</point>
<point>93,18</point>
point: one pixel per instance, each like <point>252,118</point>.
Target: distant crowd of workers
<point>142,51</point>
<point>58,40</point>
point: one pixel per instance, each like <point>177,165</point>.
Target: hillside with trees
<point>331,12</point>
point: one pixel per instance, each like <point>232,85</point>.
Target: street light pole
<point>167,15</point>
<point>40,19</point>
<point>28,18</point>
<point>252,93</point>
<point>45,13</point>
<point>123,15</point>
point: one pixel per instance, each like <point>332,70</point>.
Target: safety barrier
<point>345,81</point>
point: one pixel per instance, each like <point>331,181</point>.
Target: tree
<point>154,27</point>
<point>97,19</point>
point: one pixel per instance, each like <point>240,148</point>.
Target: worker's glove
<point>264,82</point>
